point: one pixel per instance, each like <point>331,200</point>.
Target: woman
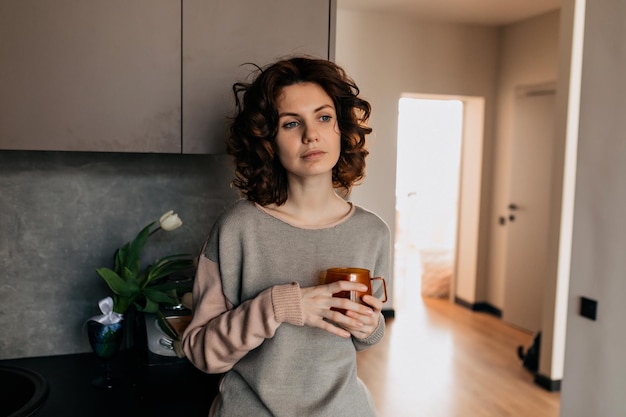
<point>261,315</point>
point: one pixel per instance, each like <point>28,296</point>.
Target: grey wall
<point>62,215</point>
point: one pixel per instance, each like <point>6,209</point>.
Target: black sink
<point>24,391</point>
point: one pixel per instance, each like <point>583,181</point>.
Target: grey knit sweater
<point>248,317</point>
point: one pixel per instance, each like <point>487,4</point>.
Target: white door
<point>529,207</point>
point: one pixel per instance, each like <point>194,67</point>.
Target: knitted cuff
<point>287,303</point>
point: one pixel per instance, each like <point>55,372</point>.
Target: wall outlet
<point>588,308</point>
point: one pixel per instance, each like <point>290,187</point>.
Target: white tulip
<point>170,221</point>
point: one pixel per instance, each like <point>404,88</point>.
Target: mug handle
<point>384,286</point>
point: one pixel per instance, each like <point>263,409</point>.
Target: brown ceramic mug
<point>359,275</point>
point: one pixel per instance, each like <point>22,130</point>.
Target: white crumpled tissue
<point>108,316</point>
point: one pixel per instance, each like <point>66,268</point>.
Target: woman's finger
<point>373,302</point>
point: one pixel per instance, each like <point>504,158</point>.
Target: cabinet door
<point>90,75</point>
<point>221,35</point>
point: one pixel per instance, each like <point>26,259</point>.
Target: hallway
<point>439,359</point>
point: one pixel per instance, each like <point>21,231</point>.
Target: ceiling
<point>480,12</point>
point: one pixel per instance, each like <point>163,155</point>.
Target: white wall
<point>388,55</point>
<point>594,380</point>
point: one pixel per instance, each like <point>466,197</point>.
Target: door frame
<point>464,285</point>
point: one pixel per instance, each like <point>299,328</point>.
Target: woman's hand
<point>368,322</point>
<point>318,301</point>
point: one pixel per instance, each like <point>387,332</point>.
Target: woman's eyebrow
<point>322,107</point>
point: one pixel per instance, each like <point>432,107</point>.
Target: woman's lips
<point>311,155</point>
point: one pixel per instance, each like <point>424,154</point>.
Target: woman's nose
<point>310,135</point>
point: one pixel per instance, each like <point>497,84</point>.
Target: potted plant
<point>134,288</point>
<point>146,288</point>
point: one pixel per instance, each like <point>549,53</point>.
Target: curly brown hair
<point>259,175</point>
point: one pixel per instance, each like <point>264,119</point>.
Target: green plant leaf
<point>117,284</point>
<point>121,304</point>
<point>132,255</point>
<point>127,274</point>
<point>163,269</point>
<point>149,307</point>
<point>158,296</point>
<point>141,278</point>
<point>119,258</point>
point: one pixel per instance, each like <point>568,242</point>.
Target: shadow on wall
<point>63,214</point>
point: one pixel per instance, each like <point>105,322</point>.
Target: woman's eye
<point>290,125</point>
<point>325,118</point>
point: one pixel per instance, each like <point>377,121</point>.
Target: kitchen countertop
<point>146,387</point>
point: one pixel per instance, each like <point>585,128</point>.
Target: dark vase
<point>105,340</point>
<point>128,337</point>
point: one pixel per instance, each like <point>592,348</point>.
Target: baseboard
<point>544,382</point>
<point>541,380</point>
<point>463,303</point>
<point>488,308</point>
<point>389,314</point>
<point>479,307</point>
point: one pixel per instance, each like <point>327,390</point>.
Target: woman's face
<point>308,138</point>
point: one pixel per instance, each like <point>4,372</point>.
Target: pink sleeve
<point>219,335</point>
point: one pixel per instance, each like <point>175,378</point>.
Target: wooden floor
<point>439,359</point>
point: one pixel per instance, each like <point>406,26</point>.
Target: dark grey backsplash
<point>63,214</point>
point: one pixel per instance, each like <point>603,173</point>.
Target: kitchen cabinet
<point>140,75</point>
<point>221,36</point>
<point>89,75</point>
